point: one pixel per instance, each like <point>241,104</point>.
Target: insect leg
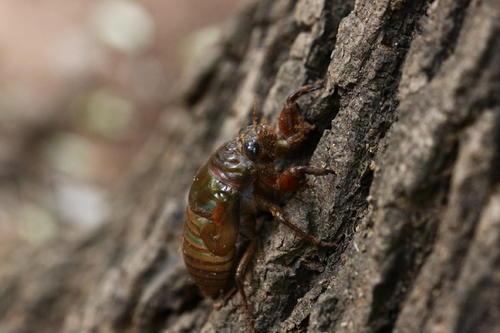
<point>222,301</point>
<point>292,178</point>
<point>279,214</point>
<point>292,127</point>
<point>240,276</point>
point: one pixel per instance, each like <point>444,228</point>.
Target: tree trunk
<point>410,121</point>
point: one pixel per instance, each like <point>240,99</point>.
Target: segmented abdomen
<point>211,273</point>
<point>218,182</point>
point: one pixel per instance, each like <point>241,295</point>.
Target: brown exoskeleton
<point>239,180</point>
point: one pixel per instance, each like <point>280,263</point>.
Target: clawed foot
<point>218,304</point>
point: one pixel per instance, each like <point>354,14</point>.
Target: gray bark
<point>409,119</point>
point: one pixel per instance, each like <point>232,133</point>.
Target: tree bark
<point>410,121</point>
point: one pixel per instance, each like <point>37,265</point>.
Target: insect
<point>238,181</point>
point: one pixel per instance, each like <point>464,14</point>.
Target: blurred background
<point>82,84</point>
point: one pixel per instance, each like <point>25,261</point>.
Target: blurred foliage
<point>78,100</point>
<point>123,25</point>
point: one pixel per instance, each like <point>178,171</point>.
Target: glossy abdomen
<point>212,273</point>
<point>212,219</point>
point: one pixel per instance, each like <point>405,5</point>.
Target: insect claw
<point>218,305</point>
<point>317,85</point>
<point>330,172</point>
<point>327,169</point>
<point>330,245</point>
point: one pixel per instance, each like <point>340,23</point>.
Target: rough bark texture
<point>410,121</point>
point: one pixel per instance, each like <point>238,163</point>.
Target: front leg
<point>294,177</point>
<point>292,127</point>
<point>282,184</point>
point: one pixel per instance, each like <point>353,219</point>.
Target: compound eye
<point>252,148</point>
